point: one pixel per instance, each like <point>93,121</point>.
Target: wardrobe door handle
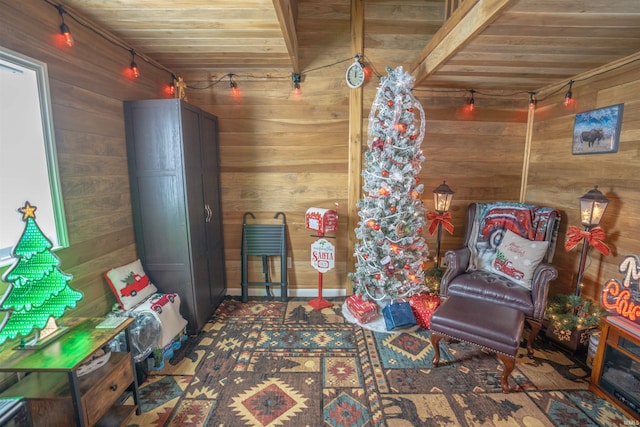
<point>209,213</point>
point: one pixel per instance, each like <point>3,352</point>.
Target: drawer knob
<point>114,387</point>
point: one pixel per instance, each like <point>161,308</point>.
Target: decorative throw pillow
<point>517,257</point>
<point>130,284</point>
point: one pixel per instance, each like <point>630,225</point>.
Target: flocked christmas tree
<point>38,288</point>
<point>391,249</point>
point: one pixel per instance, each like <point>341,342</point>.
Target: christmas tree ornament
<point>390,251</point>
<point>38,291</point>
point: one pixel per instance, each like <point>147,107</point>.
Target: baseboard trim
<point>302,293</point>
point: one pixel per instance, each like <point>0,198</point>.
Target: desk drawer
<point>110,381</point>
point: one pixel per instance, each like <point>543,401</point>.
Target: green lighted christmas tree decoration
<point>391,250</point>
<point>38,288</point>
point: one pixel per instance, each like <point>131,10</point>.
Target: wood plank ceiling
<point>485,44</point>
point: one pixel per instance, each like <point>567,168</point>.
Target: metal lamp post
<point>592,207</point>
<point>442,197</point>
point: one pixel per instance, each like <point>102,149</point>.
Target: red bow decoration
<point>436,218</point>
<point>595,238</point>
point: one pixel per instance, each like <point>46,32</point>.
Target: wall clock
<point>355,74</point>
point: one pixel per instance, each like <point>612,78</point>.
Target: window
<point>28,165</point>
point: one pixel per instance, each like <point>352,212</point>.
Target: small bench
<point>491,326</point>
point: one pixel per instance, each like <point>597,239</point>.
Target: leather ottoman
<point>495,327</point>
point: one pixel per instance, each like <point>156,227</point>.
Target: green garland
<point>569,312</point>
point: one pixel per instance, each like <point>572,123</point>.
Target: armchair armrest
<point>457,262</point>
<point>543,274</point>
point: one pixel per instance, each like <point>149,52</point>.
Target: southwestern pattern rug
<point>267,363</point>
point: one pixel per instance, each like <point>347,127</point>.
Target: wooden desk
<point>57,395</point>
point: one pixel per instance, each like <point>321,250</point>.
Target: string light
<point>532,101</point>
<point>172,85</point>
<point>64,28</point>
<point>296,78</point>
<point>568,97</point>
<point>235,92</point>
<point>368,68</point>
<point>134,67</point>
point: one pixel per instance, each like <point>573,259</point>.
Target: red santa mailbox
<point>321,220</point>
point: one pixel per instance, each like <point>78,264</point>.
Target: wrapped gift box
<point>423,306</point>
<point>363,310</point>
<point>398,315</point>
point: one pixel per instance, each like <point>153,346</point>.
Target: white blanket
<point>165,308</point>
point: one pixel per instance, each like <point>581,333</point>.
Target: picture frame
<point>597,131</point>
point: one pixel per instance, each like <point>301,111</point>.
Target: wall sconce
<point>442,197</point>
<point>592,207</point>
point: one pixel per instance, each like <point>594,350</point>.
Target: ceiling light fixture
<point>64,28</point>
<point>134,67</point>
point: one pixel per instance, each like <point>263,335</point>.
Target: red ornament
<point>390,269</point>
<point>377,276</point>
<point>390,103</point>
<point>385,173</point>
<point>407,267</point>
<point>402,128</point>
<point>392,209</point>
<point>417,179</point>
<point>419,230</point>
<point>365,257</point>
<point>410,109</point>
<point>412,137</point>
<point>378,144</point>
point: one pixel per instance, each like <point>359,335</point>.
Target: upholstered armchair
<point>505,259</point>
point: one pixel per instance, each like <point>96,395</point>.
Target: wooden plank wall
<point>87,84</point>
<point>284,154</point>
<point>558,178</point>
<point>478,153</point>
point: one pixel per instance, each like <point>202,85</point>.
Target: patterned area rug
<point>266,363</point>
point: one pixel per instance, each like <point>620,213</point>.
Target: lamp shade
<point>592,207</point>
<point>442,197</point>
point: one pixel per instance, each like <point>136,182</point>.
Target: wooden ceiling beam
<point>287,12</point>
<point>471,17</point>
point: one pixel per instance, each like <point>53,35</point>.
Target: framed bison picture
<point>597,131</point>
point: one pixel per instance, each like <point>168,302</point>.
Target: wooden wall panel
<point>558,178</point>
<point>479,154</point>
<point>87,85</point>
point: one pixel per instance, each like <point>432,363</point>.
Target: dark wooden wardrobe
<point>172,150</point>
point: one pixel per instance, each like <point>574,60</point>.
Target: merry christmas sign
<point>623,299</point>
